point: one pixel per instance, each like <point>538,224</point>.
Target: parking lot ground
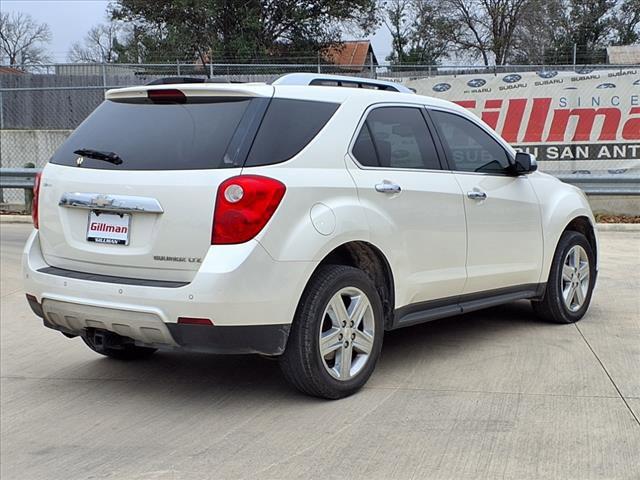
<point>493,394</point>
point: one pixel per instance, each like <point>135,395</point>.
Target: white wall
<point>18,147</point>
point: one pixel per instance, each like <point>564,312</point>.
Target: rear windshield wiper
<point>98,155</point>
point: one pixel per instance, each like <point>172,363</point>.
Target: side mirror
<point>524,163</point>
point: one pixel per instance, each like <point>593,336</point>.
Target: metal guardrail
<point>590,184</point>
<point>18,177</point>
<point>622,184</point>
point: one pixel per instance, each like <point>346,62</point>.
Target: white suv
<point>300,219</point>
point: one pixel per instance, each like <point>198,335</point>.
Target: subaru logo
<point>513,78</point>
<point>606,85</point>
<point>547,73</point>
<point>637,82</point>
<point>441,87</point>
<point>476,82</point>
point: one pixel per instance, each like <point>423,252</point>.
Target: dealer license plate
<point>110,228</point>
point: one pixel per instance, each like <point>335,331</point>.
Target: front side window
<point>469,148</point>
<point>396,137</point>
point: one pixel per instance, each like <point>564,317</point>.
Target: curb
<point>618,227</point>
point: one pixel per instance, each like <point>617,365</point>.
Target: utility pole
<point>210,62</point>
<point>575,53</point>
<point>371,67</point>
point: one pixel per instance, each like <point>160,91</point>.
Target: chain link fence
<point>40,108</point>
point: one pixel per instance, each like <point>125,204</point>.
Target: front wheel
<point>571,281</point>
<point>336,335</point>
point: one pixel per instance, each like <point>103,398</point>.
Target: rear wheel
<point>336,335</point>
<point>108,344</point>
<point>571,281</point>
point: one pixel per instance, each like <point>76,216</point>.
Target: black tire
<point>552,307</point>
<point>127,351</point>
<point>302,364</point>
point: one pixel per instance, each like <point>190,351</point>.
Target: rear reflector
<point>167,95</point>
<point>194,321</point>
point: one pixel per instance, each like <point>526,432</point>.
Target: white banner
<point>587,122</point>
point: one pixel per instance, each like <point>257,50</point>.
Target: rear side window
<point>469,148</point>
<point>287,127</point>
<point>396,137</point>
<point>158,137</point>
<point>364,150</point>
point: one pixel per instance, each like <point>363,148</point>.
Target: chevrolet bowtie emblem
<point>102,201</point>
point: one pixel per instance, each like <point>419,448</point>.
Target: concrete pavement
<point>494,394</point>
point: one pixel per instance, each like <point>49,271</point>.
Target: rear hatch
<point>131,193</point>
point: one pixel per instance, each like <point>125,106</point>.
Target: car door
<point>414,209</point>
<point>502,210</point>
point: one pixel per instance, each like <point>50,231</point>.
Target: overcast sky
<point>71,19</point>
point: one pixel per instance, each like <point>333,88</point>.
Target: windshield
<point>157,137</point>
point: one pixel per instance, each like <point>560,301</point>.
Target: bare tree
<point>535,38</point>
<point>99,46</point>
<point>396,15</point>
<point>22,40</point>
<point>472,36</point>
<point>486,27</point>
<point>504,16</point>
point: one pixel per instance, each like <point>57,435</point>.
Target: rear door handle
<point>477,195</point>
<point>388,187</point>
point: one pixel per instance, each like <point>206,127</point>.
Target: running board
<point>436,309</point>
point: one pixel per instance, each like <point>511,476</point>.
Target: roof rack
<point>172,80</point>
<point>340,81</point>
<point>176,80</point>
<point>312,79</point>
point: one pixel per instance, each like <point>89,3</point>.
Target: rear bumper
<point>262,339</point>
<point>249,297</point>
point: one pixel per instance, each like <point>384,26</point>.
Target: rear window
<point>158,137</point>
<point>287,127</point>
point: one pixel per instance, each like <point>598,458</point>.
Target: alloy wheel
<point>574,282</point>
<point>347,333</point>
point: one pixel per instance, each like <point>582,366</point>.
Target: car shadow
<point>194,374</point>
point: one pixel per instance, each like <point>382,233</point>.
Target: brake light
<point>36,200</point>
<point>244,205</point>
<point>167,95</point>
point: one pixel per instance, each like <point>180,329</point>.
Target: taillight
<point>166,95</point>
<point>36,198</point>
<point>244,205</point>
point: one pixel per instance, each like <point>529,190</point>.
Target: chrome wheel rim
<point>347,333</point>
<point>574,283</point>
